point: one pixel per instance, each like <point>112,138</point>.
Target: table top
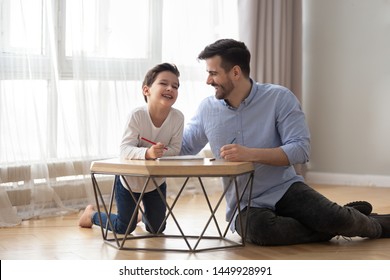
<point>167,168</point>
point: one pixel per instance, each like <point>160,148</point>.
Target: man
<point>264,124</point>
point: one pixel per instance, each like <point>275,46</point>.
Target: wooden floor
<point>61,238</point>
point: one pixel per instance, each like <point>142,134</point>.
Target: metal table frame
<point>120,242</point>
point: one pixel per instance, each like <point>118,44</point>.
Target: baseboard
<point>347,179</point>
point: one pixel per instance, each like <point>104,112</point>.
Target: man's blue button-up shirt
<point>269,117</point>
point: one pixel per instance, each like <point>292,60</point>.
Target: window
<point>109,28</point>
<point>71,70</point>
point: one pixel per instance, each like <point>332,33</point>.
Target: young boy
<point>156,123</point>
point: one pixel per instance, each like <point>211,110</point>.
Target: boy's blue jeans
<point>303,215</point>
<point>154,209</point>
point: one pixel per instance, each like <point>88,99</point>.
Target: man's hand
<point>235,152</point>
<point>270,156</point>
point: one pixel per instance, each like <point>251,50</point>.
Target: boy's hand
<point>155,151</point>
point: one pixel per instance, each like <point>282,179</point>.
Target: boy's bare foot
<point>139,217</point>
<point>85,220</point>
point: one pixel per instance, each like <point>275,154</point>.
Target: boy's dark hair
<point>151,75</point>
<point>232,53</point>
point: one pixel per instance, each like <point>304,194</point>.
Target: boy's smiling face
<point>164,89</point>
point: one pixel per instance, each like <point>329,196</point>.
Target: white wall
<point>346,88</point>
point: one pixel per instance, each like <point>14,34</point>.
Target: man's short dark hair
<point>232,53</point>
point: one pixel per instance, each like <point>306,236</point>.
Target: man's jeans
<point>154,209</point>
<point>303,215</point>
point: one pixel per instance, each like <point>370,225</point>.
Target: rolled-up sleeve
<point>293,130</point>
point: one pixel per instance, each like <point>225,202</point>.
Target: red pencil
<point>151,142</point>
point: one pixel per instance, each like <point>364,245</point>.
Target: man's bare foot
<point>85,220</point>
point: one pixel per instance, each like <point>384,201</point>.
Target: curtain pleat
<point>272,31</point>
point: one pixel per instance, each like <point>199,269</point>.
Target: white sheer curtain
<point>71,71</point>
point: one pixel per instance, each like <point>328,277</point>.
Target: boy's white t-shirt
<point>139,124</point>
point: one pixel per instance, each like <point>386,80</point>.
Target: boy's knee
<point>156,228</point>
<point>121,228</point>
